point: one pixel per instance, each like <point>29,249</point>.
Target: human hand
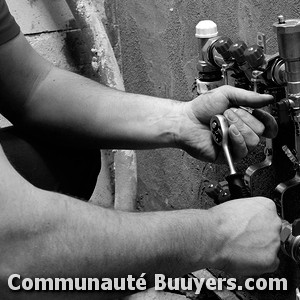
<point>245,129</point>
<point>250,236</point>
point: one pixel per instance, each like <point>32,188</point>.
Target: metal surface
<point>290,242</point>
<point>219,129</point>
<point>283,189</point>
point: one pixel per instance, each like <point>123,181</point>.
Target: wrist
<point>184,121</point>
<point>219,236</point>
<point>205,240</point>
<point>172,123</point>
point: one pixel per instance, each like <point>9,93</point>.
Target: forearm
<point>62,105</point>
<point>71,107</point>
<point>50,235</point>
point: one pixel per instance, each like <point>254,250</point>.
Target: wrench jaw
<point>287,198</point>
<point>254,170</point>
<point>260,179</point>
<point>276,167</point>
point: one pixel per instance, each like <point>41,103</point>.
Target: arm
<point>44,234</point>
<point>68,107</point>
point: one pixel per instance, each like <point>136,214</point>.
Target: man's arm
<point>48,235</point>
<point>43,99</point>
<point>35,94</point>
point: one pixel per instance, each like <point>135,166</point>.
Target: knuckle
<point>278,221</point>
<point>239,140</point>
<point>268,201</point>
<point>271,260</point>
<point>274,265</point>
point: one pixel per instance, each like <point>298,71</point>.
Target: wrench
<point>236,183</point>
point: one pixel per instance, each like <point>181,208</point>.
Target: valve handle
<point>222,46</point>
<point>237,51</point>
<point>255,56</point>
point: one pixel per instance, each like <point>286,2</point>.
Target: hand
<point>245,129</point>
<point>250,231</point>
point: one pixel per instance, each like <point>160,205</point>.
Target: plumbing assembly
<point>222,61</point>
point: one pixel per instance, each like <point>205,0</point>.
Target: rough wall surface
<point>159,56</point>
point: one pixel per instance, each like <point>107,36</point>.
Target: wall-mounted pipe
<point>105,65</point>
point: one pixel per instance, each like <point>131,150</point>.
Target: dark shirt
<point>8,26</point>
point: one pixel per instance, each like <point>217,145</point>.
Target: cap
<point>206,29</point>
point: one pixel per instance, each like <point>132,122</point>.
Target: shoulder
<point>8,26</point>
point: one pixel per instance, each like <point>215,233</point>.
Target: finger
<point>238,145</point>
<point>271,126</point>
<point>242,97</point>
<point>252,122</point>
<point>250,137</point>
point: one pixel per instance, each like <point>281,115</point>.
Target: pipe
<point>106,67</point>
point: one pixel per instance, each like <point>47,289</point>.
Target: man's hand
<point>245,129</point>
<point>250,231</point>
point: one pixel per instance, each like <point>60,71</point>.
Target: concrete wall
<point>159,56</point>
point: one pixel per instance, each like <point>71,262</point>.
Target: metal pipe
<point>288,37</point>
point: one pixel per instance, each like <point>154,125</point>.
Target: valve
<point>207,35</point>
<point>222,46</point>
<point>237,51</point>
<point>255,57</point>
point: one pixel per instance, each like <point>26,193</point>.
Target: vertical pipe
<point>105,65</point>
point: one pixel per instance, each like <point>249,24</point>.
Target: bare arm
<point>67,107</point>
<point>36,95</point>
<point>48,235</point>
<point>44,234</point>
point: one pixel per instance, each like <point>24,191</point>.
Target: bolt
<point>214,125</point>
<point>285,234</point>
<point>224,72</point>
<point>281,19</point>
<point>256,73</point>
